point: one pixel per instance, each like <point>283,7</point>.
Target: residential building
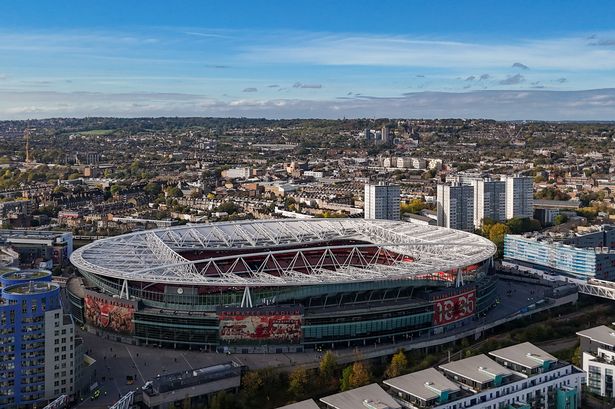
<point>382,201</point>
<point>546,210</point>
<point>567,257</point>
<point>314,174</point>
<point>455,206</point>
<point>489,201</point>
<point>304,404</point>
<point>35,245</point>
<point>519,376</point>
<point>38,360</point>
<point>435,164</point>
<point>389,162</point>
<point>404,162</point>
<point>237,173</point>
<point>92,158</point>
<point>519,196</point>
<point>387,136</point>
<point>598,359</point>
<point>419,163</point>
<point>369,397</point>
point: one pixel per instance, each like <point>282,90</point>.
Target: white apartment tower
<point>381,201</point>
<point>489,201</point>
<point>455,206</point>
<point>519,196</point>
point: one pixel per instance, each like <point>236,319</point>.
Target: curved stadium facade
<point>282,285</point>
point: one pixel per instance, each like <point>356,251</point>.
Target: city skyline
<point>309,60</point>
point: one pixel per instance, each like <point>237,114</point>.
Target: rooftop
<point>601,334</point>
<point>31,287</point>
<point>157,255</point>
<point>306,404</point>
<point>30,234</point>
<point>479,368</point>
<point>24,274</point>
<point>526,354</point>
<point>186,379</point>
<point>366,397</point>
<point>426,385</point>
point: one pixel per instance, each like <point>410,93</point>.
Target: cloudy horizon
<point>80,62</point>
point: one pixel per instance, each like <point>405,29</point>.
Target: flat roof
<point>306,404</point>
<point>31,287</point>
<point>31,234</point>
<point>427,384</point>
<point>526,354</point>
<point>366,397</point>
<point>193,377</point>
<point>479,368</point>
<point>601,334</point>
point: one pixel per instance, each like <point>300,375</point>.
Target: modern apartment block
<point>455,207</point>
<point>38,360</point>
<point>567,257</point>
<point>519,196</point>
<point>517,377</point>
<point>35,244</point>
<point>382,201</point>
<point>489,201</point>
<point>598,359</point>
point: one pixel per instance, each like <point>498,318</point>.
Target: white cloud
<point>539,105</point>
<point>567,53</point>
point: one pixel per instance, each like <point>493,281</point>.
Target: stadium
<point>282,285</point>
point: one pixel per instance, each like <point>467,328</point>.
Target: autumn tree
<point>252,382</point>
<point>496,235</point>
<point>298,382</point>
<point>398,365</point>
<point>355,375</point>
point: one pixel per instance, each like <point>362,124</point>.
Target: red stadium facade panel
<point>109,313</point>
<point>453,308</point>
<point>267,325</point>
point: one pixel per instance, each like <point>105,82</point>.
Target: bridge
<point>60,403</point>
<point>597,288</point>
<point>592,286</point>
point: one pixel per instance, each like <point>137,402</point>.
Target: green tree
<point>576,356</point>
<point>520,225</point>
<point>228,207</point>
<point>398,365</point>
<point>345,380</point>
<point>152,188</point>
<point>174,191</point>
<point>115,189</point>
<point>327,366</point>
<point>560,218</point>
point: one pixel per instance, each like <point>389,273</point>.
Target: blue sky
<point>503,60</point>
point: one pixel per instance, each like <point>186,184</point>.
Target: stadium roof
<point>408,250</point>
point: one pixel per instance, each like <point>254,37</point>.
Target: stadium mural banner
<point>278,325</point>
<point>108,313</point>
<point>454,307</point>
